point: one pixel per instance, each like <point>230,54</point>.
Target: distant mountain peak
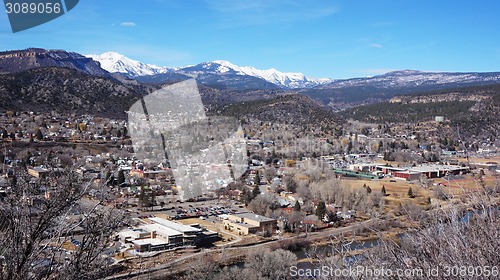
<point>117,63</point>
<point>404,72</point>
<point>225,63</point>
<point>272,75</point>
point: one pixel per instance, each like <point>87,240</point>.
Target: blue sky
<point>320,38</point>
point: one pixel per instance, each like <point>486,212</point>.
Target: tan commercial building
<point>37,171</point>
<point>246,223</point>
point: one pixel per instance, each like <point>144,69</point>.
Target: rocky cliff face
<point>22,60</point>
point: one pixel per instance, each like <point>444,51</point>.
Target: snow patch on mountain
<point>116,63</point>
<point>286,80</point>
<point>412,78</point>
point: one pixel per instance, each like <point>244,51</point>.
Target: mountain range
<point>413,79</point>
<point>115,62</point>
<point>40,76</point>
<point>226,75</point>
<point>342,94</point>
<point>21,60</point>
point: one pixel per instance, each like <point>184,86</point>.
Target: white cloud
<point>128,23</point>
<point>376,46</point>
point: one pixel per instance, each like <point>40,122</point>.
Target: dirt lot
<point>217,227</point>
<point>479,160</point>
<point>397,191</point>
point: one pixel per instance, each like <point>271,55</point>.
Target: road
<point>168,268</point>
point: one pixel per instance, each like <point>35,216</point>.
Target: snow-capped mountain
<point>284,80</point>
<point>408,79</point>
<point>225,74</point>
<point>116,63</point>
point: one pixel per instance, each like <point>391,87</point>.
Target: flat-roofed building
<point>363,167</point>
<point>173,237</point>
<point>389,169</point>
<point>429,170</point>
<point>150,244</point>
<point>152,237</point>
<point>132,234</point>
<point>246,223</point>
<point>407,175</point>
<point>164,234</point>
<point>439,170</point>
<point>38,171</point>
<point>176,226</point>
<point>190,235</point>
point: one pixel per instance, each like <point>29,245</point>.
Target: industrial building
<point>363,167</point>
<point>407,175</point>
<point>427,170</point>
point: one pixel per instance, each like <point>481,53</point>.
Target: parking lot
<point>193,211</point>
<point>185,210</point>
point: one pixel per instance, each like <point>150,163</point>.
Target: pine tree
<point>296,207</point>
<point>108,178</point>
<point>383,191</point>
<point>152,198</point>
<point>143,197</point>
<point>255,191</point>
<point>13,182</point>
<point>121,178</point>
<point>349,146</point>
<point>257,177</point>
<point>39,135</point>
<point>410,193</point>
<point>321,209</point>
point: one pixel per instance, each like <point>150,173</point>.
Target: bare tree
<point>39,219</point>
<point>261,264</point>
<point>295,219</point>
<point>205,267</point>
<point>267,264</point>
<point>325,189</point>
<point>456,242</point>
<point>263,204</point>
<point>459,240</point>
<point>304,192</point>
<point>269,173</point>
